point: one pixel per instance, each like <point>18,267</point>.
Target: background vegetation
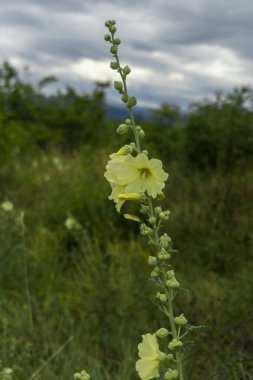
<point>74,298</point>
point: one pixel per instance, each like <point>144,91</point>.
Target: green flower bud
<point>124,98</point>
<point>162,297</point>
<point>129,197</point>
<point>162,356</point>
<point>152,220</point>
<point>126,70</point>
<point>173,283</point>
<point>162,333</point>
<point>142,134</point>
<point>161,196</point>
<point>138,128</point>
<point>164,215</point>
<point>128,121</point>
<point>107,37</point>
<point>163,255</point>
<point>118,86</point>
<point>180,320</point>
<point>170,274</point>
<point>155,272</point>
<point>113,22</point>
<point>108,23</point>
<point>113,49</point>
<point>122,129</point>
<point>131,102</point>
<point>158,209</point>
<point>175,343</point>
<point>112,29</point>
<point>144,209</point>
<point>145,152</point>
<point>117,41</point>
<point>145,230</point>
<point>152,260</point>
<point>171,374</point>
<point>114,65</point>
<point>165,240</point>
<point>126,149</point>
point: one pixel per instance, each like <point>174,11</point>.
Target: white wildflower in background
<point>6,374</point>
<point>83,375</point>
<point>72,224</point>
<point>150,357</point>
<point>7,206</point>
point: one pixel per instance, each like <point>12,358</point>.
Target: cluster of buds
<point>130,101</point>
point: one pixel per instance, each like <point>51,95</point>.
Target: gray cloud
<point>179,51</point>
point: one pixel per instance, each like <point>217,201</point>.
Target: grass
<point>80,298</point>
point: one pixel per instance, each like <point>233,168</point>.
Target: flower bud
<point>114,65</point>
<point>152,260</point>
<point>162,297</point>
<point>128,121</point>
<point>164,240</point>
<point>108,23</point>
<point>124,98</point>
<point>173,283</point>
<point>122,129</point>
<point>164,215</point>
<point>158,209</point>
<point>141,134</point>
<point>145,152</point>
<point>113,22</point>
<point>126,149</point>
<point>175,343</point>
<point>152,220</point>
<point>161,196</point>
<point>171,374</point>
<point>162,333</point>
<point>170,274</point>
<point>145,230</point>
<point>129,197</point>
<point>180,320</point>
<point>131,102</point>
<point>113,49</point>
<point>117,41</point>
<point>112,29</point>
<point>144,209</point>
<point>118,86</point>
<point>155,272</point>
<point>134,218</point>
<point>126,70</point>
<point>163,255</point>
<point>107,37</point>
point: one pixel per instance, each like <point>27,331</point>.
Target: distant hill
<point>120,112</point>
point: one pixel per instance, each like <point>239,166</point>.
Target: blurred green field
<point>82,293</point>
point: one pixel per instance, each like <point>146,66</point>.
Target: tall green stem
<point>162,279</point>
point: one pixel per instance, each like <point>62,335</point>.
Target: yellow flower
<point>150,357</point>
<point>111,176</point>
<point>139,174</point>
<point>128,174</point>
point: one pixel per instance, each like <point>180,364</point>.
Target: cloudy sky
<point>179,50</point>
